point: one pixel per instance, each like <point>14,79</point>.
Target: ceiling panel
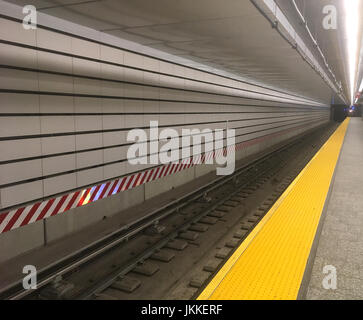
<point>333,42</point>
<point>230,35</point>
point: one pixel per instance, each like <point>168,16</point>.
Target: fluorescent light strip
<point>351,8</point>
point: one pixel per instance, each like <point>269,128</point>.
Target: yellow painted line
<point>271,261</point>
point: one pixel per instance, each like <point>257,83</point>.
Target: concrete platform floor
<point>340,247</point>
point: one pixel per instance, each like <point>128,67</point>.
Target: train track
<point>164,233</point>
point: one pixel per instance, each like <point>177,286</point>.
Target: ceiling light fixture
<point>352,29</point>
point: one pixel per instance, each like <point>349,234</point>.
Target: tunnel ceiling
<point>332,42</point>
<point>229,35</point>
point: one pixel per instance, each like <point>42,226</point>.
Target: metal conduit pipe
<point>315,42</point>
<point>318,47</point>
<point>294,45</point>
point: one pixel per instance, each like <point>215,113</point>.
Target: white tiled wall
<point>47,137</point>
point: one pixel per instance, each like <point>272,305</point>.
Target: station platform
<point>341,240</point>
<point>318,221</point>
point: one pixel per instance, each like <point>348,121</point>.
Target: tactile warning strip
<point>270,263</point>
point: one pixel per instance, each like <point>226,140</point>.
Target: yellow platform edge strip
<point>270,262</point>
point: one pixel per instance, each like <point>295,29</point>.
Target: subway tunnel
<point>181,143</point>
